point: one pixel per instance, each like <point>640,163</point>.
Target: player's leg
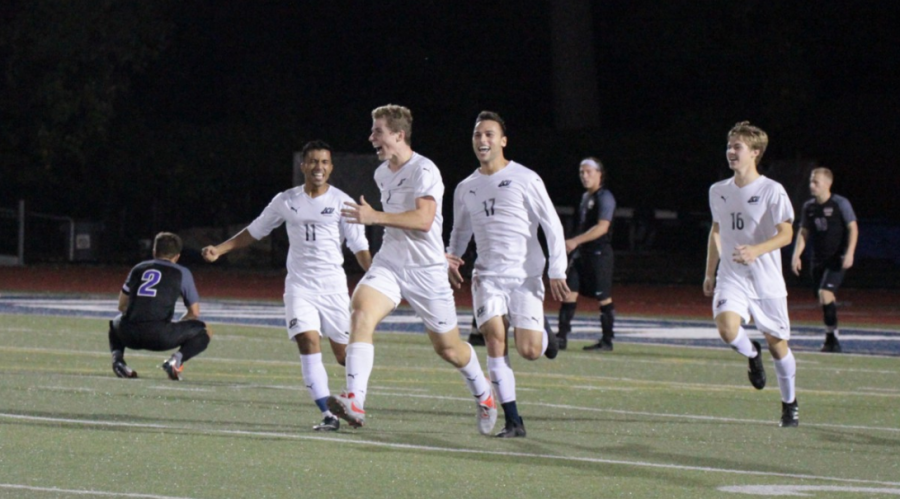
<point>568,306</point>
<point>731,310</point>
<point>599,270</point>
<point>303,318</point>
<point>190,336</point>
<point>828,285</point>
<point>771,317</point>
<point>117,349</point>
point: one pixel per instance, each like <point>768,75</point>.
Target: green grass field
<point>644,421</point>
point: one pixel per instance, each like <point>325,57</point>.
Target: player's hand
<point>570,245</point>
<point>744,254</point>
<point>361,213</point>
<point>210,254</point>
<point>559,289</point>
<point>796,265</point>
<point>454,263</point>
<point>709,285</point>
<point>848,262</point>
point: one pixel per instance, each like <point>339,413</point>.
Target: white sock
<point>544,341</point>
<point>786,369</point>
<point>314,375</point>
<point>742,345</point>
<point>503,378</point>
<point>360,360</point>
<point>475,381</point>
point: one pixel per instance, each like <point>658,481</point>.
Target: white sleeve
<point>712,209</point>
<point>462,225</point>
<point>540,204</point>
<point>781,208</point>
<point>428,183</point>
<point>267,221</point>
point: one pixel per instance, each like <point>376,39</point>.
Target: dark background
<point>165,115</point>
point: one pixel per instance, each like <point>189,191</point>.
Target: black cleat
<point>790,415</point>
<point>832,344</point>
<point>122,370</point>
<point>600,346</point>
<point>755,370</point>
<point>173,369</point>
<point>552,342</point>
<point>330,423</point>
<point>512,430</point>
<point>562,341</point>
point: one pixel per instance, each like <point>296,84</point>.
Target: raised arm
<point>240,240</point>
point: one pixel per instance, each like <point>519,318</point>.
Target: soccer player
<point>410,265</point>
<point>590,273</point>
<point>752,217</point>
<point>503,203</point>
<point>829,222</point>
<point>316,299</point>
<point>147,304</point>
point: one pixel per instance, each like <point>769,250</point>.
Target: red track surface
<point>857,306</point>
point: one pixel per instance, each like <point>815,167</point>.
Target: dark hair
<point>166,245</point>
<point>491,116</point>
<point>315,145</point>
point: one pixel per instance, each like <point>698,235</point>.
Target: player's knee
<point>529,352</point>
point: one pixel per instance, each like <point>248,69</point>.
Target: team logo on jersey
<point>590,204</point>
<point>471,192</point>
<point>505,183</point>
<point>328,211</point>
<point>294,209</point>
<point>753,200</point>
<point>724,199</point>
<point>401,182</point>
<point>828,211</point>
<point>480,311</point>
<point>720,303</point>
<point>292,324</point>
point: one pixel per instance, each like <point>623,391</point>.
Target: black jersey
<point>827,227</point>
<point>600,205</point>
<point>153,287</point>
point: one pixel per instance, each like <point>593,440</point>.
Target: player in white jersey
<point>502,204</point>
<point>410,265</point>
<point>752,217</point>
<point>316,299</point>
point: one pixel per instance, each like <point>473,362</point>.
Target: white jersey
<point>749,215</point>
<point>316,231</point>
<point>402,248</point>
<point>503,211</point>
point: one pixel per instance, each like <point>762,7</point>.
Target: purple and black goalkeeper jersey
<point>153,287</point>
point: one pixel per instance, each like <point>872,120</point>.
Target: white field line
<point>80,492</point>
<point>448,450</point>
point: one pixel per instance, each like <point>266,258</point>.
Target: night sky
<point>240,85</point>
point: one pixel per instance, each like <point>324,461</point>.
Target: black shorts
<point>159,336</point>
<point>590,273</point>
<point>827,276</point>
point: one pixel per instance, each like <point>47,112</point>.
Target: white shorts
<point>520,299</point>
<point>328,314</point>
<point>427,290</point>
<point>769,315</point>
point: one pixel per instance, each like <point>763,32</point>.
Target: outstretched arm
<point>240,240</point>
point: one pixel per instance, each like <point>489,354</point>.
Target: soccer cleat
<point>122,370</point>
<point>562,341</point>
<point>832,344</point>
<point>790,415</point>
<point>345,407</point>
<point>601,346</point>
<point>755,370</point>
<point>173,369</point>
<point>552,342</point>
<point>512,430</point>
<point>486,415</point>
<point>330,423</point>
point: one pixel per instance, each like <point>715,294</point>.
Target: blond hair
<point>753,136</point>
<point>825,172</point>
<point>398,119</point>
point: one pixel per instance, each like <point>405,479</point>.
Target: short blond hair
<point>825,172</point>
<point>398,119</point>
<point>751,135</point>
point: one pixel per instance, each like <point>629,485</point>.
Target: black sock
<point>194,346</point>
<point>115,343</point>
<point>566,313</point>
<point>829,313</point>
<point>607,319</point>
<point>511,413</point>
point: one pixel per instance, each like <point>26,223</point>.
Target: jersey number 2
<point>150,278</point>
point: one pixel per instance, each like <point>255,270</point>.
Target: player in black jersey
<point>591,256</point>
<point>828,223</point>
<point>147,304</point>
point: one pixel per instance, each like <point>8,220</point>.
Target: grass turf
<point>643,421</point>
